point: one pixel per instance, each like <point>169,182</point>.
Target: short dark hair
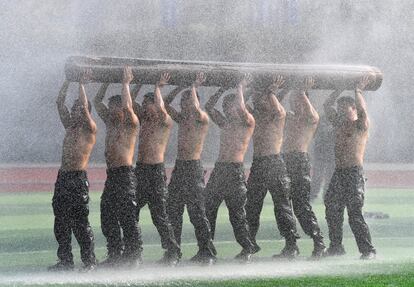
<point>347,100</point>
<point>149,96</point>
<point>115,100</point>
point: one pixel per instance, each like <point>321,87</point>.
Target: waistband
<point>119,169</point>
<point>356,168</point>
<point>223,164</point>
<point>296,155</point>
<point>187,163</point>
<point>72,173</point>
<point>150,166</point>
<point>267,157</point>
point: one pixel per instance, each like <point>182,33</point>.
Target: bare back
<point>77,147</point>
<point>234,140</point>
<point>120,143</point>
<point>350,143</point>
<point>153,140</point>
<point>299,133</point>
<point>268,135</point>
<point>191,135</point>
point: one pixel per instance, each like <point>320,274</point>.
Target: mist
<point>37,36</point>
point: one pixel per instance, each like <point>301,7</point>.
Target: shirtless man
<point>347,185</point>
<point>268,171</point>
<point>118,202</point>
<point>301,124</point>
<point>150,171</point>
<point>187,181</point>
<point>227,181</point>
<point>71,195</point>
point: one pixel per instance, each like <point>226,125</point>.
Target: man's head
<point>347,108</point>
<point>115,107</point>
<point>229,108</point>
<point>294,101</point>
<point>76,110</point>
<point>186,102</point>
<point>148,102</point>
<point>260,101</point>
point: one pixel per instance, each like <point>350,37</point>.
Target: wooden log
<point>147,71</point>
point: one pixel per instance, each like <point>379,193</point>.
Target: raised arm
<point>88,121</point>
<point>277,107</point>
<point>100,107</point>
<point>158,101</point>
<point>328,106</point>
<point>126,97</point>
<point>216,116</point>
<point>248,94</point>
<point>174,114</point>
<point>245,115</point>
<point>64,113</point>
<point>309,111</point>
<point>134,94</point>
<point>200,79</point>
<point>361,106</point>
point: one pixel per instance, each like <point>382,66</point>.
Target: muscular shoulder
<point>89,128</point>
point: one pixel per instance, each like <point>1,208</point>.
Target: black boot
<point>336,250</point>
<point>169,259</point>
<point>89,267</point>
<point>131,261</point>
<point>203,258</point>
<point>111,261</point>
<point>370,255</point>
<point>319,249</point>
<point>290,251</point>
<point>244,256</point>
<point>62,266</point>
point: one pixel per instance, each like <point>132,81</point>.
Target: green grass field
<point>27,247</point>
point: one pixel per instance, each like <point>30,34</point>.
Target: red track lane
<point>27,179</point>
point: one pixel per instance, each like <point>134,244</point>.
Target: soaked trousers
<point>228,182</point>
<point>268,173</point>
<point>298,167</point>
<point>152,190</point>
<point>118,213</point>
<point>347,189</point>
<point>186,188</point>
<point>70,207</point>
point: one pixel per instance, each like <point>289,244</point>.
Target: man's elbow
<point>316,118</point>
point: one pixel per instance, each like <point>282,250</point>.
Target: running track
<point>26,178</point>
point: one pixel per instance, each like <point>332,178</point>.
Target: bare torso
<point>268,135</point>
<point>298,134</point>
<point>77,147</point>
<point>153,140</point>
<point>191,136</point>
<point>350,143</point>
<point>120,144</point>
<point>234,140</point>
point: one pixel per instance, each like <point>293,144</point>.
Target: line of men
<point>128,189</point>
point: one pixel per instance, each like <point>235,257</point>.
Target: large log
<point>147,71</point>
